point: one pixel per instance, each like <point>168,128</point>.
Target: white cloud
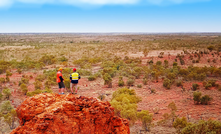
<point>5,3</point>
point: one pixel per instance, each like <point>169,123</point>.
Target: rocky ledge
<point>68,114</point>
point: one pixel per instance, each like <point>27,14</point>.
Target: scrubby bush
<point>167,83</point>
<point>208,85</point>
<point>101,97</point>
<point>91,78</point>
<point>195,86</point>
<point>152,91</point>
<point>23,80</point>
<point>48,59</point>
<point>197,97</point>
<point>179,83</point>
<point>144,81</point>
<point>107,80</point>
<point>205,99</point>
<point>2,80</point>
<point>67,83</point>
<point>38,85</point>
<point>203,127</point>
<point>120,82</point>
<point>211,48</point>
<point>158,63</point>
<point>180,123</point>
<point>8,73</point>
<point>7,93</point>
<point>139,86</point>
<point>146,118</point>
<point>23,88</point>
<point>40,77</point>
<point>7,79</point>
<point>125,101</point>
<point>38,91</point>
<point>19,70</point>
<point>130,81</point>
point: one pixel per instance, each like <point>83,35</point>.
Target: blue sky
<point>149,16</point>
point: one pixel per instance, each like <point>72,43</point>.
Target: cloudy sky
<point>150,16</point>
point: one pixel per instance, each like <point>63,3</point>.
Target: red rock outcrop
<point>68,114</point>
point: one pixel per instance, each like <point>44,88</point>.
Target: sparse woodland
<point>160,83</point>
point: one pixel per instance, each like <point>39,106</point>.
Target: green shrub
<point>47,90</point>
<point>19,70</point>
<point>212,82</point>
<point>84,72</point>
<point>7,79</point>
<point>197,97</point>
<point>101,97</point>
<point>205,99</point>
<point>146,118</point>
<point>139,86</point>
<point>23,88</point>
<point>107,80</point>
<point>125,101</point>
<point>120,82</point>
<point>152,91</point>
<point>144,81</point>
<point>48,59</point>
<point>48,83</point>
<point>23,80</point>
<point>158,63</point>
<point>40,77</point>
<point>91,78</point>
<point>38,91</point>
<point>8,73</point>
<point>130,82</point>
<point>179,83</point>
<point>7,93</point>
<point>211,48</point>
<point>195,86</point>
<point>207,86</point>
<point>167,83</point>
<point>2,80</point>
<point>1,96</point>
<point>38,85</point>
<point>203,127</point>
<point>67,83</point>
<point>180,123</point>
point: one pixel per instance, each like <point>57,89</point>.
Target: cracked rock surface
<point>68,114</point>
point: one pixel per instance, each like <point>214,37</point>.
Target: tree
<point>145,118</point>
<point>7,93</point>
<point>24,88</point>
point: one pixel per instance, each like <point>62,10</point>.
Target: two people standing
<point>74,77</point>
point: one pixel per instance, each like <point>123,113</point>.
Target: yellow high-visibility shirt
<point>74,76</point>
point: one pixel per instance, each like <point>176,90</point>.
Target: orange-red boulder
<point>68,114</point>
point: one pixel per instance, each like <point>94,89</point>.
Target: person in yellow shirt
<point>74,77</point>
